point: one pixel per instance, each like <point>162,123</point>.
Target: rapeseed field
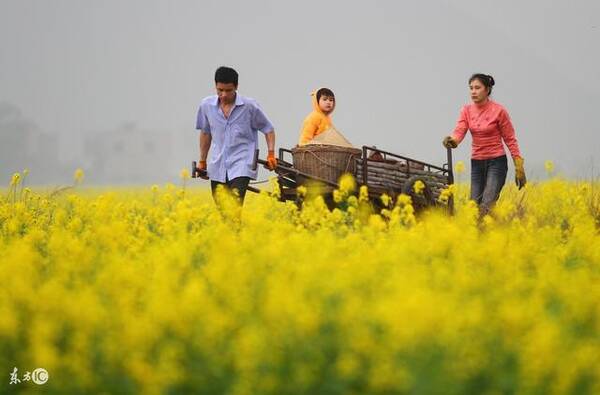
<point>154,291</point>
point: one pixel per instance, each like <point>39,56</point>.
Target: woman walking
<point>490,125</point>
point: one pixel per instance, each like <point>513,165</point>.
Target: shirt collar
<point>238,100</point>
<point>484,105</point>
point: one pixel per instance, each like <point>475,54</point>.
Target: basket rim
<point>325,148</point>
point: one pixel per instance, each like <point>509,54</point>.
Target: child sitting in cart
<point>318,121</point>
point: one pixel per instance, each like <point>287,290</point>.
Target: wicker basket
<point>327,162</point>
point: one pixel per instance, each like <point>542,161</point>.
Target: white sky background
<point>399,68</point>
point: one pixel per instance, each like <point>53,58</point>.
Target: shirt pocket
<point>242,124</point>
<point>240,133</point>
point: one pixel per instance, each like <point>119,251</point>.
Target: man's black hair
<point>226,75</point>
<point>325,92</point>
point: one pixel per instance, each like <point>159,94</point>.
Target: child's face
<point>326,104</point>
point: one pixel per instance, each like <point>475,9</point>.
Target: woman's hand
<point>520,178</point>
<point>449,142</point>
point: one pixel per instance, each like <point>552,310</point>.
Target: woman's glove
<point>271,160</point>
<point>449,142</point>
<point>520,178</point>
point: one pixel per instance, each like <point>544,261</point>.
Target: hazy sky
<point>399,68</point>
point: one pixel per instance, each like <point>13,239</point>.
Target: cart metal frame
<point>434,177</point>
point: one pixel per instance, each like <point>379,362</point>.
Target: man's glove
<point>271,160</point>
<point>449,142</point>
<point>202,170</point>
<point>520,178</point>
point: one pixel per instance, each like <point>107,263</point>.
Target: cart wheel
<point>420,200</point>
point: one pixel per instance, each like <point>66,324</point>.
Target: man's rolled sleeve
<point>260,121</point>
<point>202,121</point>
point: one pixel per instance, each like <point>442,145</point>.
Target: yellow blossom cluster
<point>158,291</point>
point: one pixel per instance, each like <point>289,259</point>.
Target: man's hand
<point>520,178</point>
<point>202,170</point>
<point>449,142</point>
<point>271,160</point>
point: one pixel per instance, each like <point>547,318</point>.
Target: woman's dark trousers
<point>487,179</point>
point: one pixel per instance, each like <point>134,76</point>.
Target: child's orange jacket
<point>315,123</point>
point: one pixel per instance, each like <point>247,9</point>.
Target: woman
<point>490,125</point>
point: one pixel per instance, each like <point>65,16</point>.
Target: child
<point>319,120</point>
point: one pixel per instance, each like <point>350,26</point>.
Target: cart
<point>380,171</point>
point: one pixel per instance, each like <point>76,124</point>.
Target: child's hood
<point>315,103</point>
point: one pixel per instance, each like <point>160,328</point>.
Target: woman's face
<point>479,93</point>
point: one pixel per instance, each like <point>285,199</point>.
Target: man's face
<point>226,92</point>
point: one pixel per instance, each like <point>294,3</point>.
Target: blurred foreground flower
<point>184,174</point>
<point>347,183</point>
<point>301,191</point>
<point>78,176</point>
<point>15,180</point>
<point>447,193</point>
<point>418,187</point>
<point>363,194</point>
<point>549,166</point>
<point>173,283</point>
<point>386,200</point>
<point>459,167</point>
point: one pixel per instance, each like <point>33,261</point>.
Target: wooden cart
<point>381,171</point>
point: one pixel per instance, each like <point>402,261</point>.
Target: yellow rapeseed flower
<point>549,167</point>
<point>275,188</point>
<point>347,183</point>
<point>184,174</point>
<point>301,191</point>
<point>386,200</point>
<point>403,200</point>
<point>163,279</point>
<point>337,196</point>
<point>418,187</point>
<point>78,176</point>
<point>15,180</point>
<point>363,194</point>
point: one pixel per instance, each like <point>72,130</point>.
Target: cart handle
<point>450,166</point>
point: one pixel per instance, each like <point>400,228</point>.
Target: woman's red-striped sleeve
<point>508,134</point>
<point>462,125</point>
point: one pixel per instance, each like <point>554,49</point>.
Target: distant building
<point>129,155</point>
<point>24,146</point>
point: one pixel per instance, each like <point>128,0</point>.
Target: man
<point>229,125</point>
